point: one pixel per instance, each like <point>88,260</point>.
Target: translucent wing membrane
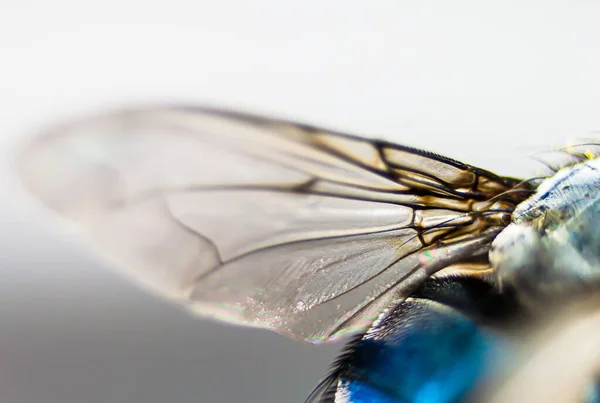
<point>263,222</point>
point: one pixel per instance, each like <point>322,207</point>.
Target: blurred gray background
<point>487,84</point>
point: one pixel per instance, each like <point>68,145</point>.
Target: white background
<point>484,82</point>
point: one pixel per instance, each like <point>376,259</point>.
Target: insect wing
<point>261,222</point>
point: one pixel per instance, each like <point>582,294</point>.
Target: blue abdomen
<point>431,348</point>
<point>424,353</point>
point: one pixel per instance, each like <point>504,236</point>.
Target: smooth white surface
<point>485,83</point>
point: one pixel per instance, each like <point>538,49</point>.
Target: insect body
<point>433,347</point>
<point>316,234</point>
<point>553,244</point>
